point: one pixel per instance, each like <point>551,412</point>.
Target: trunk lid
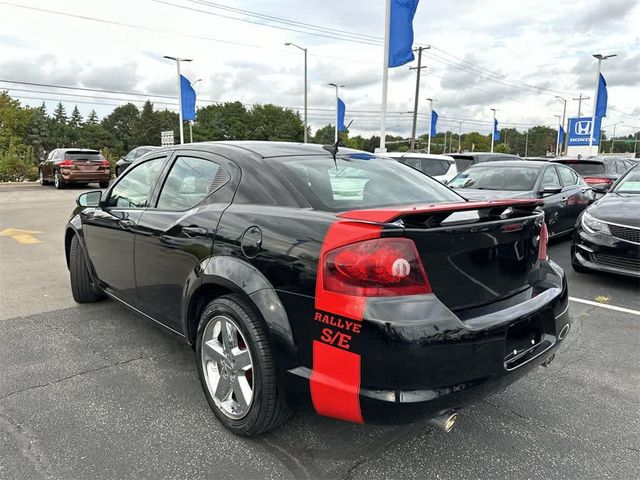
<point>474,253</point>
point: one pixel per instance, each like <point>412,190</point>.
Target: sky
<point>514,56</point>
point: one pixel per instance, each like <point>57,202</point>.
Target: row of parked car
<point>597,198</point>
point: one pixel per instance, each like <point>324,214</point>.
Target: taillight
<point>544,240</point>
<point>105,163</point>
<point>376,268</point>
<point>66,163</point>
<point>596,180</point>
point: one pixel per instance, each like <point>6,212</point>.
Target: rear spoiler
<point>486,208</point>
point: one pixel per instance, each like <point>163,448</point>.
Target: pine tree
<point>76,119</point>
<point>60,114</point>
<point>43,109</point>
<point>92,119</point>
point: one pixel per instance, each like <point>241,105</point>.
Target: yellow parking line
<point>24,237</point>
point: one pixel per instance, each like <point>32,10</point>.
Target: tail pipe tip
<point>444,421</point>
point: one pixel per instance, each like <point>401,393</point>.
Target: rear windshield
<point>80,155</point>
<point>357,183</point>
<point>630,183</point>
<point>497,178</point>
<point>586,168</point>
<point>430,166</point>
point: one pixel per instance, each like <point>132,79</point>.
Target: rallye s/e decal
<point>336,371</point>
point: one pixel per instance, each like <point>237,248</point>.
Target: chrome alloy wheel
<point>227,366</point>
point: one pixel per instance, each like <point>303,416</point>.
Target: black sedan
<point>562,192</point>
<point>607,236</point>
<point>599,172</point>
<point>132,157</point>
<point>309,278</point>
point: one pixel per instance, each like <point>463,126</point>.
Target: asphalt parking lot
<point>95,391</point>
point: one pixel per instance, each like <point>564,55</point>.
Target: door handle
<point>195,231</point>
<point>126,224</point>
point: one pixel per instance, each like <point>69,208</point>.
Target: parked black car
<point>607,236</point>
<point>305,277</point>
<point>80,166</point>
<point>132,157</point>
<point>599,172</point>
<point>466,160</point>
<point>562,192</point>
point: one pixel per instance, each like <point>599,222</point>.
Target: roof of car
<point>429,156</point>
<point>266,149</point>
<point>511,163</point>
<point>483,154</point>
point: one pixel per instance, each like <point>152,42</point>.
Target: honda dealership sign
<point>579,131</point>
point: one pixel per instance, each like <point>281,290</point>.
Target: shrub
<point>17,164</point>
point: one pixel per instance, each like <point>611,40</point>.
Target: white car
<point>441,167</point>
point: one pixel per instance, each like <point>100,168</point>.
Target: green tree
<point>325,135</point>
<point>270,122</point>
<point>502,148</point>
<point>76,119</point>
<point>225,121</point>
<point>92,119</point>
<point>146,130</point>
<point>120,124</point>
<point>16,158</point>
<point>60,114</point>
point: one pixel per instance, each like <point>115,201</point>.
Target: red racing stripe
<point>335,378</point>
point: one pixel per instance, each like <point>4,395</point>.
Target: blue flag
<point>496,132</point>
<point>401,32</point>
<point>434,122</point>
<point>341,112</point>
<point>561,136</point>
<point>601,102</point>
<point>188,99</point>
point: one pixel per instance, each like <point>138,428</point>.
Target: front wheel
<point>82,288</point>
<point>236,368</point>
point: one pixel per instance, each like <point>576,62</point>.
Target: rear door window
<point>90,156</point>
<point>190,180</point>
<point>567,176</point>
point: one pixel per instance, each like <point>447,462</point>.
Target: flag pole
<point>178,60</point>
<point>595,105</point>
<point>430,123</point>
<point>385,76</point>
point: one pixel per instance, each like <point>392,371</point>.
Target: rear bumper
<point>70,176</point>
<point>417,358</point>
<point>605,253</point>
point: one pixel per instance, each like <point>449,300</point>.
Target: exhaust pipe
<point>564,331</point>
<point>445,421</point>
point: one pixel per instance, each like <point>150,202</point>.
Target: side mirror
<point>600,187</point>
<point>90,199</point>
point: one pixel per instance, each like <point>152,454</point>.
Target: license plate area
<point>528,338</point>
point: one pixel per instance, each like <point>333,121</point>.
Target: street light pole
<point>305,87</point>
<point>526,143</point>
<point>600,58</point>
<point>558,136</point>
<point>613,137</point>
<point>431,100</point>
<point>418,69</point>
<point>337,87</point>
<point>564,115</point>
<point>493,127</point>
<point>460,137</point>
<point>191,122</point>
<point>178,60</point>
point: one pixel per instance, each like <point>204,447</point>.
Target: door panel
<point>554,205</point>
<point>175,237</point>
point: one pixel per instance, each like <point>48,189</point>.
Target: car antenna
<point>333,147</point>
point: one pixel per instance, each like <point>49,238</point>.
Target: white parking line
<point>603,305</point>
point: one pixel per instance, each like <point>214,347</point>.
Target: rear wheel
<point>58,182</point>
<point>236,368</point>
<point>81,287</point>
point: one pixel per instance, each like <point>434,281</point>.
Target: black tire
<point>103,184</point>
<point>268,409</point>
<point>58,182</point>
<point>41,178</point>
<point>81,287</point>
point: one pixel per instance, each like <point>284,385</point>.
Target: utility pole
<point>337,87</point>
<point>613,137</point>
<point>460,137</point>
<point>305,86</point>
<point>580,99</point>
<point>444,149</point>
<point>178,60</point>
<point>493,127</point>
<point>431,100</point>
<point>415,104</point>
<point>526,143</point>
<point>600,58</point>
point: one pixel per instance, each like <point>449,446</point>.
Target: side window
<point>412,162</point>
<point>620,166</point>
<point>190,180</point>
<point>550,178</point>
<point>133,190</point>
<point>567,176</point>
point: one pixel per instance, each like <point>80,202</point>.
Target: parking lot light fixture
<point>290,44</point>
<point>178,60</point>
<point>600,58</point>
